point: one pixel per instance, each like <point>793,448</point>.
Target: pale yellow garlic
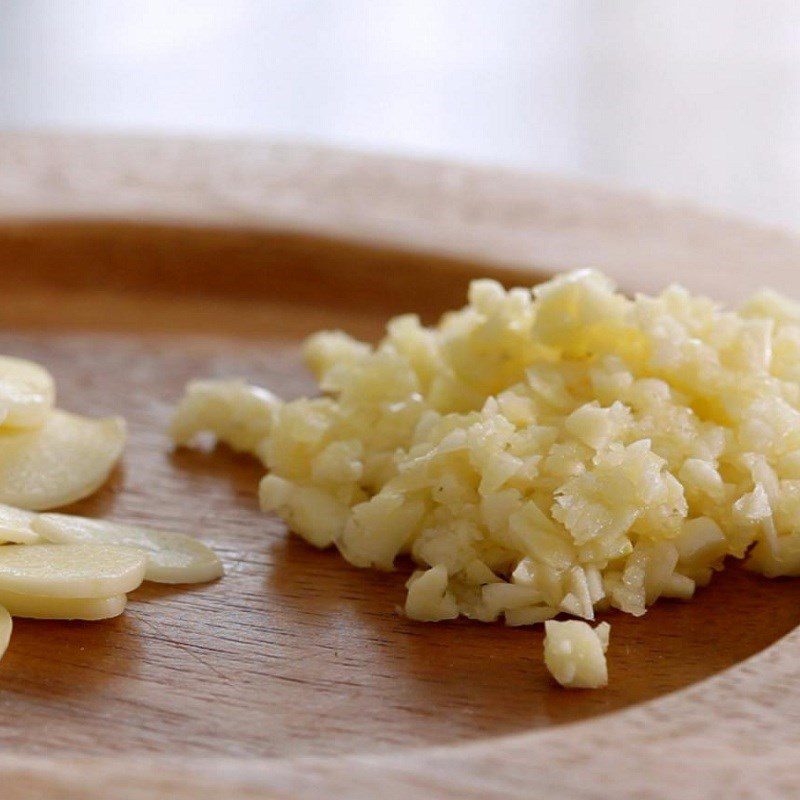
<point>236,413</point>
<point>16,526</point>
<point>574,653</point>
<point>171,557</point>
<point>66,459</point>
<point>428,599</point>
<point>71,571</point>
<point>6,626</point>
<point>27,393</point>
<point>68,608</point>
<point>560,450</point>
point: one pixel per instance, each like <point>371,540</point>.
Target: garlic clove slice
<point>82,608</point>
<point>27,393</point>
<point>171,557</point>
<point>16,526</point>
<point>70,571</point>
<point>65,460</point>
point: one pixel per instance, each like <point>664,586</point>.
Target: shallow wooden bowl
<point>129,267</point>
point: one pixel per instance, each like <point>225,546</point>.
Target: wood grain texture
<point>133,265</point>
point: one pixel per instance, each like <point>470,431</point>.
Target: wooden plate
<point>131,266</point>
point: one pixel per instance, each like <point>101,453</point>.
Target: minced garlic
<point>574,653</point>
<point>561,450</point>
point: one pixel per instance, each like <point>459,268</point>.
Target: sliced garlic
<point>67,459</point>
<point>85,608</point>
<point>5,630</point>
<point>70,570</point>
<point>171,557</point>
<point>16,526</point>
<point>27,392</point>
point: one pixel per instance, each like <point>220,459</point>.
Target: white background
<point>695,99</point>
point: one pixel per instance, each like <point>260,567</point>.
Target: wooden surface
<point>128,269</point>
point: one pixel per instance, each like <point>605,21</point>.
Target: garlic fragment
<point>574,653</point>
<point>238,414</point>
<point>428,599</point>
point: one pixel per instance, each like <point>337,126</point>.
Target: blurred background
<point>692,99</point>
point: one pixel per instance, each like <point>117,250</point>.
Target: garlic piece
<point>65,460</point>
<point>16,526</point>
<point>236,413</point>
<point>428,599</point>
<point>70,570</point>
<point>27,393</point>
<point>83,608</point>
<point>574,653</point>
<point>171,557</point>
<point>6,626</point>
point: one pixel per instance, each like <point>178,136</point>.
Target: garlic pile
<point>560,450</point>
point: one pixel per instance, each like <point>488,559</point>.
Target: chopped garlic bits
<point>555,451</point>
<point>575,653</point>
